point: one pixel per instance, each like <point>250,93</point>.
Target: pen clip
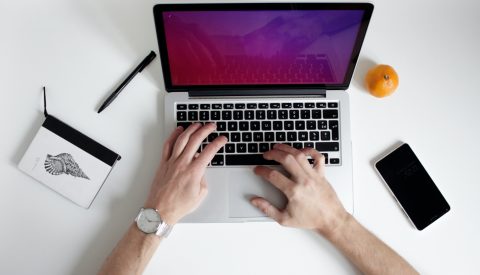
<point>45,102</point>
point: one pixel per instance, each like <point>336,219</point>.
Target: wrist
<point>335,226</point>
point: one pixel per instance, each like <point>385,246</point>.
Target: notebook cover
<point>68,161</point>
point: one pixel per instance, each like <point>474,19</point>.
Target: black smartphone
<point>411,185</point>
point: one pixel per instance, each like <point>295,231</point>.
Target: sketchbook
<point>68,161</point>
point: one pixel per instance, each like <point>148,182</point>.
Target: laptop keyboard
<point>253,127</point>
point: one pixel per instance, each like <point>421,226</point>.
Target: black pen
<point>147,60</point>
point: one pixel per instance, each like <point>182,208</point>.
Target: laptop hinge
<point>260,92</point>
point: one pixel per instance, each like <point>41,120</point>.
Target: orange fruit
<point>381,80</point>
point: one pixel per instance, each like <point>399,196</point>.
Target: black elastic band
<point>45,102</point>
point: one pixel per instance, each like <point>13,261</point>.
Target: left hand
<point>179,185</point>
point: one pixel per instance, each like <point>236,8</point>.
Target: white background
<point>82,49</point>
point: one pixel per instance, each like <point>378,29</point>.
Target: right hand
<point>312,202</point>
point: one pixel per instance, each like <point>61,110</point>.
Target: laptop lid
<point>221,47</point>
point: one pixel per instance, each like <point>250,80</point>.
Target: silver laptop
<point>266,73</point>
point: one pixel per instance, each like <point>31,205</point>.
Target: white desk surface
<point>82,49</point>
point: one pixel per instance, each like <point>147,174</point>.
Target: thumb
<point>267,208</point>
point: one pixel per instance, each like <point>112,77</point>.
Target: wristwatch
<point>149,222</point>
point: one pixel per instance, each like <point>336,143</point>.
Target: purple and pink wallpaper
<point>260,47</point>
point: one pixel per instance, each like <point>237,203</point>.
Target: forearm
<point>366,251</point>
<point>132,253</point>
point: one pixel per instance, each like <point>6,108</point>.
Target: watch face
<point>149,220</point>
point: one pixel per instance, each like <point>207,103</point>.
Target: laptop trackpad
<point>243,186</point>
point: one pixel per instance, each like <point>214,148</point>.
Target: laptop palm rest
<point>244,185</point>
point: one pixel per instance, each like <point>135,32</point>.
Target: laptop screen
<point>260,47</point>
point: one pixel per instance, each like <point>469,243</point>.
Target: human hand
<point>179,185</point>
<point>312,202</point>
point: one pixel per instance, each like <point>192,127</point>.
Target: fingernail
<point>179,127</point>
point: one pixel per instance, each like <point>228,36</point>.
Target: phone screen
<point>412,186</point>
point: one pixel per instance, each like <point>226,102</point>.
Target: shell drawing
<point>63,164</point>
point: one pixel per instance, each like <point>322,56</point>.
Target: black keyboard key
<point>292,136</point>
<point>294,114</point>
<point>193,106</point>
<point>217,160</point>
<point>212,136</point>
<point>260,114</point>
<point>266,125</point>
<point>241,148</point>
<point>181,106</point>
<point>288,125</point>
<point>192,115</point>
<point>215,115</point>
<point>277,125</point>
<point>330,113</point>
<point>237,115</point>
<point>235,137</point>
<point>308,145</point>
<point>314,136</point>
<point>305,114</point>
<point>286,105</point>
<point>225,134</point>
<point>216,106</point>
<point>333,126</point>
<point>327,146</point>
<point>204,115</point>
<point>226,115</point>
<point>228,106</point>
<point>251,105</point>
<point>302,136</point>
<point>282,114</point>
<point>297,145</point>
<point>255,125</point>
<point>232,126</point>
<point>317,114</point>
<point>325,135</point>
<point>322,124</point>
<point>205,106</point>
<point>332,105</point>
<point>263,105</point>
<point>280,136</point>
<point>334,161</point>
<point>247,136</point>
<point>249,115</point>
<point>274,105</point>
<point>269,136</point>
<point>181,116</point>
<point>321,105</point>
<point>243,125</point>
<point>311,125</point>
<point>263,147</point>
<point>297,105</point>
<point>230,148</point>
<point>240,106</point>
<point>184,124</point>
<point>257,136</point>
<point>221,126</point>
<point>309,105</point>
<point>248,159</point>
<point>271,114</point>
<point>252,148</point>
<point>299,125</point>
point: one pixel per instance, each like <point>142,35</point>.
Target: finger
<point>196,140</point>
<point>210,150</point>
<point>288,161</point>
<point>319,159</point>
<point>299,155</point>
<point>269,210</point>
<point>183,138</point>
<point>168,145</point>
<point>276,178</point>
